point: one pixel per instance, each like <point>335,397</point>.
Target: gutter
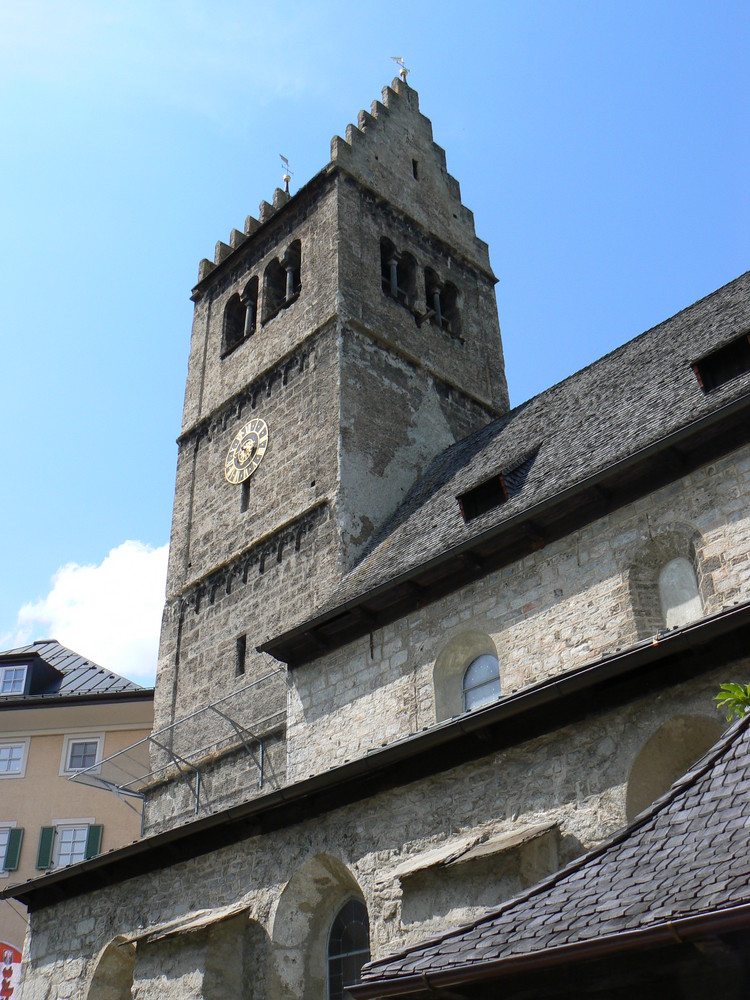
<point>470,736</point>
<point>45,700</point>
<point>681,931</point>
<point>275,647</point>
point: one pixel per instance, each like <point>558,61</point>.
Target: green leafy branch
<point>733,700</point>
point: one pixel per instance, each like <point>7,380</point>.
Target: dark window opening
<point>239,317</point>
<point>274,289</point>
<point>249,299</point>
<point>485,497</point>
<point>240,655</point>
<point>398,274</point>
<point>415,170</point>
<point>234,324</point>
<point>245,495</point>
<point>348,948</point>
<point>500,488</point>
<point>442,304</point>
<point>722,366</point>
<point>282,281</point>
<point>451,319</point>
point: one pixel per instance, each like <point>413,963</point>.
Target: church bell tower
<point>341,341</point>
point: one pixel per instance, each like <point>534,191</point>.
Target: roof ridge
<point>680,786</point>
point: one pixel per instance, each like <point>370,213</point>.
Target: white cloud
<point>110,613</point>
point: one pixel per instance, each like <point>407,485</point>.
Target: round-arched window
<point>348,948</point>
<point>678,589</point>
<point>481,683</point>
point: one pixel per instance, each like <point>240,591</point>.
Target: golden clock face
<point>246,451</point>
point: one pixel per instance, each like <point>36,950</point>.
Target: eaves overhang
<point>669,458</point>
<point>666,659</point>
<point>706,927</point>
<point>66,698</point>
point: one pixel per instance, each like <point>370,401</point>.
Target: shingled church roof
<point>641,405</point>
<point>685,858</point>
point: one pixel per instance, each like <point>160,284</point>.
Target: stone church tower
<point>423,658</point>
<point>352,331</point>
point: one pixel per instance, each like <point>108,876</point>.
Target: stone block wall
<point>391,151</point>
<point>566,605</point>
<point>213,379</point>
<point>293,880</point>
<point>472,360</point>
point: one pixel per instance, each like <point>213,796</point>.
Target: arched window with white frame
<point>481,682</point>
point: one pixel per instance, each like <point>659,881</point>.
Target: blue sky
<point>602,147</point>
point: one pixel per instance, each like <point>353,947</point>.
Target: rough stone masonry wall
<point>235,572</point>
<point>293,880</point>
<point>211,379</point>
<point>472,360</point>
<point>559,608</point>
<point>296,393</point>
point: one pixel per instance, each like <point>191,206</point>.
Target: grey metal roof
<point>599,416</point>
<point>80,675</point>
<point>684,856</point>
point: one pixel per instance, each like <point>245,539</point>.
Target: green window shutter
<point>94,841</point>
<point>46,843</point>
<point>13,850</point>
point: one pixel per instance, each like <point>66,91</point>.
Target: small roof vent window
<point>722,366</point>
<point>496,490</point>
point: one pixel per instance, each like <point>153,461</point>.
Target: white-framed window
<point>13,679</point>
<point>481,682</point>
<point>68,841</point>
<point>81,750</point>
<point>70,844</point>
<point>13,757</point>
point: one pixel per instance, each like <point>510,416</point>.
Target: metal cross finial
<point>287,173</point>
<point>403,70</point>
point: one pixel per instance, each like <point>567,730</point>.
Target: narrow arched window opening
<point>348,948</point>
<point>451,317</point>
<point>398,274</point>
<point>282,281</point>
<point>234,324</point>
<point>442,303</point>
<point>481,683</point>
<point>249,299</point>
<point>678,590</point>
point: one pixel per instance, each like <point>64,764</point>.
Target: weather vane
<point>287,173</point>
<point>403,70</point>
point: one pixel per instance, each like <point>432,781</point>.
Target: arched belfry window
<point>239,317</point>
<point>679,594</point>
<point>348,948</point>
<point>234,324</point>
<point>442,303</point>
<point>398,274</point>
<point>481,682</point>
<point>282,281</point>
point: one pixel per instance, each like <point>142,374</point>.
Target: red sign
<point>10,971</point>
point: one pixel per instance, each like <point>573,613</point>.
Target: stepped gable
<point>603,414</point>
<point>80,675</point>
<point>391,151</point>
<point>684,857</point>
